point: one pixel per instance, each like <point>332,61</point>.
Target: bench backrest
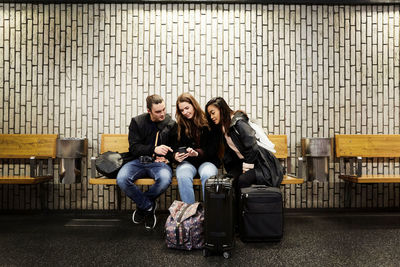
<point>119,143</point>
<point>364,145</point>
<point>21,146</point>
<point>114,142</point>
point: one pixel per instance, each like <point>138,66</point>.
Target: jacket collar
<point>166,122</point>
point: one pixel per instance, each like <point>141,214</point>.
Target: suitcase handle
<point>259,186</point>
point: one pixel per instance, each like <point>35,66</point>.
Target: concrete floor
<point>311,238</point>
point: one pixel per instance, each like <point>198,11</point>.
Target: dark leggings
<point>241,180</point>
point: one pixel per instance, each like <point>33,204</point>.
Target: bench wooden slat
<point>292,180</point>
<point>103,181</point>
<point>371,178</point>
<point>196,181</point>
<point>281,146</point>
<point>22,146</point>
<point>114,142</point>
<point>24,179</point>
<point>364,145</point>
<point>142,181</point>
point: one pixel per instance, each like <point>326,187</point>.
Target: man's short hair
<point>153,99</point>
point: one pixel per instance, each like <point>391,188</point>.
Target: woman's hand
<point>247,166</point>
<point>191,152</point>
<point>179,157</point>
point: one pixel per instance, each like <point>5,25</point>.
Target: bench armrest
<point>93,167</point>
<point>359,165</point>
<point>355,166</point>
<point>301,168</point>
<point>32,163</point>
<point>300,165</point>
<point>50,167</point>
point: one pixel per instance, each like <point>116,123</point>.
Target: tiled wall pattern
<point>304,71</point>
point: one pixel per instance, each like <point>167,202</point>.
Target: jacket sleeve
<point>171,142</point>
<point>248,141</point>
<point>136,140</point>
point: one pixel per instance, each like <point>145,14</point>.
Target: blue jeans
<point>185,173</point>
<point>134,170</point>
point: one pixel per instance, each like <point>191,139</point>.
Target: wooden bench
<point>351,149</point>
<point>38,148</point>
<point>119,143</point>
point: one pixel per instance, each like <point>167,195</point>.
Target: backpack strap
<point>178,224</point>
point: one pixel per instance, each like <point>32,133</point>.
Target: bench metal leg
<point>347,194</point>
<point>42,196</point>
<point>118,198</point>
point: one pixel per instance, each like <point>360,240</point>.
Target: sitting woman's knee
<point>185,171</point>
<point>207,169</point>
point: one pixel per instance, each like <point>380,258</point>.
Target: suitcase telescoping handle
<point>218,183</point>
<point>218,180</point>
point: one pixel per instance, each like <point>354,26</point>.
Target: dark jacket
<point>207,149</point>
<point>142,135</point>
<point>268,169</point>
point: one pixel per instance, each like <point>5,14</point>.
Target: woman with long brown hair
<point>196,147</point>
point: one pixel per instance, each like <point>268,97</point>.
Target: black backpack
<point>109,163</point>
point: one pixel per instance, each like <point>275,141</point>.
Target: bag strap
<point>178,223</point>
<point>155,143</point>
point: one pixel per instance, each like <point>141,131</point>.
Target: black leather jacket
<point>142,135</point>
<point>268,169</point>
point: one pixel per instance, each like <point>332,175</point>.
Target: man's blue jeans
<point>134,170</point>
<point>185,173</point>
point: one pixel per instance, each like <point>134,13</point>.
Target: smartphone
<point>181,149</point>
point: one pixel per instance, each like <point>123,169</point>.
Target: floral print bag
<point>184,226</point>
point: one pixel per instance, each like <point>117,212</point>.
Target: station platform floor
<point>311,238</point>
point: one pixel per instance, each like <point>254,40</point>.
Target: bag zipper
<point>258,196</point>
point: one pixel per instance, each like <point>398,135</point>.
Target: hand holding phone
<point>181,149</point>
<point>180,156</point>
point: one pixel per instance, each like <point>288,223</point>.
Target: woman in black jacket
<point>196,147</point>
<point>244,159</point>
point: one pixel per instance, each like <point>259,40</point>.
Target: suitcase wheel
<point>226,254</point>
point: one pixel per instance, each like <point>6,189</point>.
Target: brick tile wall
<point>304,71</point>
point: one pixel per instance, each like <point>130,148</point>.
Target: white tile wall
<point>315,71</point>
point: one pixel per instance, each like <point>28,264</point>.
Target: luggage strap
<point>178,223</point>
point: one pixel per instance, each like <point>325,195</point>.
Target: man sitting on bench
<point>150,136</point>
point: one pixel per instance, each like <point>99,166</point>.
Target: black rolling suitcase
<point>261,217</point>
<point>218,216</point>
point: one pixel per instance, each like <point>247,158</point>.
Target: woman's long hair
<point>194,125</point>
<point>225,112</point>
